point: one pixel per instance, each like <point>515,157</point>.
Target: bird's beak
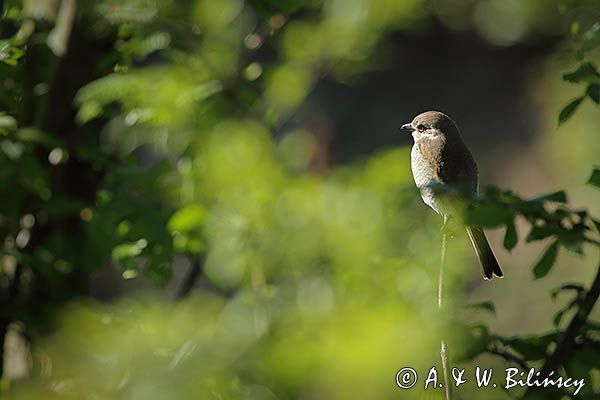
<point>407,127</point>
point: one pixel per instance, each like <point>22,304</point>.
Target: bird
<point>440,157</point>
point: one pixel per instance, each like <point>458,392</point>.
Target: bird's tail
<point>489,265</point>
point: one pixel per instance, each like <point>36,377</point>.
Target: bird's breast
<point>423,172</point>
<point>424,175</point>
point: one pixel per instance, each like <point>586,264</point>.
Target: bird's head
<point>431,124</point>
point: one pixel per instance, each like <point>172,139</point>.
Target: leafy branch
<point>586,73</point>
<point>549,218</point>
<point>567,342</point>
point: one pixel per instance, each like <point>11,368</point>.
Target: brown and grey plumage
<point>439,156</point>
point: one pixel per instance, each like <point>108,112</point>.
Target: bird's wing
<point>458,167</point>
<point>432,150</point>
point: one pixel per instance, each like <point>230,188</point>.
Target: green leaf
<point>585,72</point>
<point>571,239</point>
<point>580,294</point>
<point>488,214</point>
<point>569,109</point>
<point>187,219</point>
<point>532,348</point>
<point>595,178</point>
<point>88,111</point>
<point>543,266</point>
<point>580,364</point>
<point>559,315</point>
<point>510,237</point>
<point>129,250</point>
<point>570,286</point>
<point>556,197</point>
<point>485,305</point>
<point>596,224</point>
<point>539,233</point>
<point>593,92</point>
<point>185,226</point>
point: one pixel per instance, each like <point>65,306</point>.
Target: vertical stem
<point>443,347</point>
<point>442,262</point>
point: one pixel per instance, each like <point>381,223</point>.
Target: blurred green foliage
<point>585,34</point>
<point>133,132</point>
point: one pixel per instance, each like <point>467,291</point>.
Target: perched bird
<point>439,157</point>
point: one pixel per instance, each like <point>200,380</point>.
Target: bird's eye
<point>421,128</point>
